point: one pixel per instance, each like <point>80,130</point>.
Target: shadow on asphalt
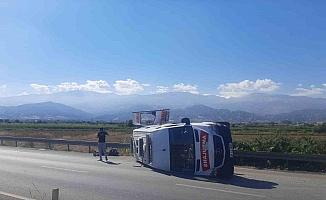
<point>110,162</point>
<point>241,181</point>
<point>236,180</point>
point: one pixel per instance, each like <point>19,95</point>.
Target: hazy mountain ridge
<point>44,111</point>
<point>55,111</point>
<point>101,104</point>
<point>112,107</point>
<point>308,115</point>
<point>204,113</point>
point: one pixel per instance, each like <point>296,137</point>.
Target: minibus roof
<point>152,128</point>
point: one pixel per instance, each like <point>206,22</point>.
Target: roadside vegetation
<point>283,144</point>
<point>284,138</point>
<point>270,137</point>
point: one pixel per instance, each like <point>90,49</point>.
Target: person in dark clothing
<point>101,143</point>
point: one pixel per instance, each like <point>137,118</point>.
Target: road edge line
<point>15,196</point>
<point>220,190</point>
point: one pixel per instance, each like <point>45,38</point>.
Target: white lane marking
<point>64,169</point>
<point>15,196</point>
<point>220,190</point>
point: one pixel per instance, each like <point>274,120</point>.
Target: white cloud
<point>309,91</point>
<point>161,89</point>
<point>313,91</point>
<point>99,86</point>
<point>181,87</point>
<point>41,89</point>
<point>23,93</point>
<point>122,87</point>
<point>68,86</point>
<point>127,87</point>
<point>247,87</point>
<point>3,89</point>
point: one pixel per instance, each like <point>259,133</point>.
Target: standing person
<point>101,143</point>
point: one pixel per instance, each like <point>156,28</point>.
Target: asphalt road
<point>34,173</point>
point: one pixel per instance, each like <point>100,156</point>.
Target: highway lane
<point>33,173</point>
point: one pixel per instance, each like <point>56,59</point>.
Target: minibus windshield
<point>182,150</point>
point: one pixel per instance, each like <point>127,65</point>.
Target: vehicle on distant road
<point>196,148</point>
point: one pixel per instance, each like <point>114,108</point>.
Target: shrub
<point>320,128</point>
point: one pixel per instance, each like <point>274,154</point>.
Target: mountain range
<point>44,111</point>
<point>112,107</point>
<point>97,103</point>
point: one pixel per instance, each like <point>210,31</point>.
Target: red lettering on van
<point>204,151</point>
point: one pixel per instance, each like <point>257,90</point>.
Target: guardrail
<point>281,156</point>
<point>51,142</point>
<point>237,154</point>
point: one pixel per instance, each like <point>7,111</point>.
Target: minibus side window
<point>141,146</point>
<point>137,147</point>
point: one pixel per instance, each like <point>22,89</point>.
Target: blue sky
<point>226,48</point>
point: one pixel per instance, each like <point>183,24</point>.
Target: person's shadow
<point>112,163</point>
<point>109,162</point>
<point>236,180</point>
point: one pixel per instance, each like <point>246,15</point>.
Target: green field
<point>79,131</point>
<point>289,138</point>
<point>249,132</point>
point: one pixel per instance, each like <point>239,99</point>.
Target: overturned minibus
<point>196,148</point>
